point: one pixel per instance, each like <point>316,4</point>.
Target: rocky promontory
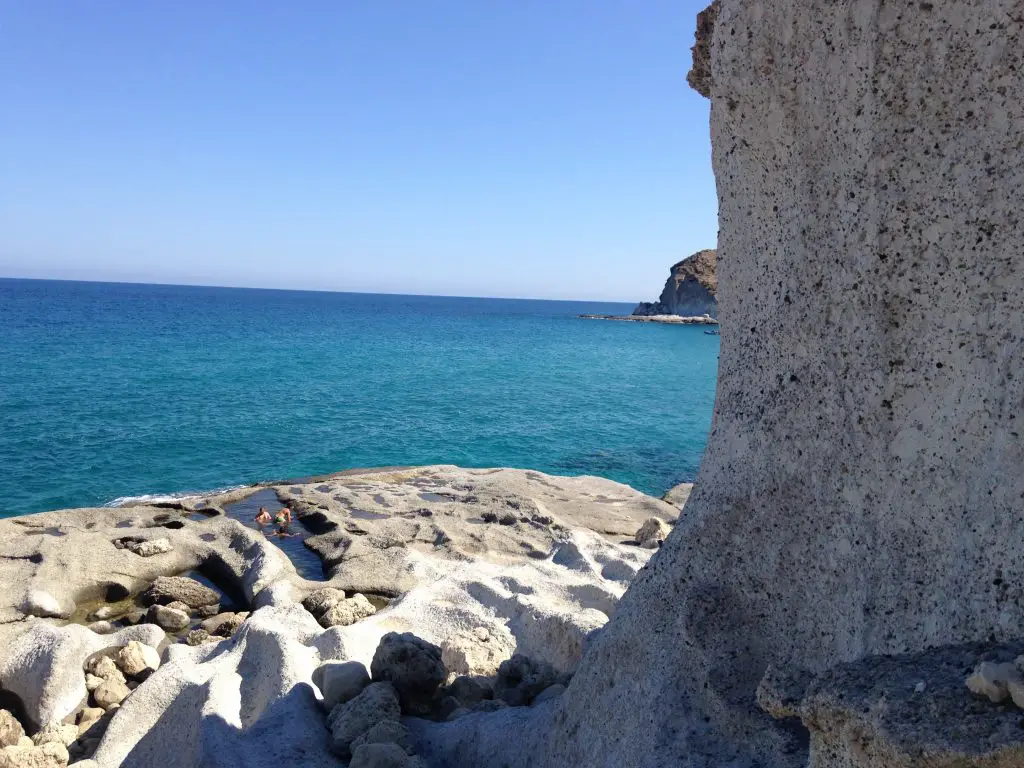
<point>690,291</point>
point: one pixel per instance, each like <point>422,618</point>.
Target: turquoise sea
<point>113,390</point>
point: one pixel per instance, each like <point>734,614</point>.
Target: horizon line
<point>309,290</point>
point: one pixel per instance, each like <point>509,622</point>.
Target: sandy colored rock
<point>110,693</point>
<point>60,733</point>
<point>10,729</point>
<point>44,666</point>
<point>320,600</point>
<point>652,533</point>
<point>168,618</point>
<point>223,624</point>
<point>348,611</point>
<point>150,547</point>
<point>49,755</point>
<point>476,652</point>
<point>677,495</point>
<point>993,680</point>
<point>181,589</point>
<point>104,667</point>
<point>137,659</point>
<point>199,636</point>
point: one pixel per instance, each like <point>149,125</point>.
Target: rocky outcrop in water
<point>690,290</point>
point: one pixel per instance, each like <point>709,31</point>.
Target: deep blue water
<point>111,390</point>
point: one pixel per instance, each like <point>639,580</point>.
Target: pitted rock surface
<point>861,489</point>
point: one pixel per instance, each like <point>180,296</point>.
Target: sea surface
<point>116,390</point>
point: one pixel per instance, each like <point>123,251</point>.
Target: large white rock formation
<point>862,488</point>
<point>482,563</point>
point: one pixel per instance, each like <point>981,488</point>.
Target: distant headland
<point>688,298</point>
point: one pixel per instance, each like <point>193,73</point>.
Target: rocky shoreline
<point>180,633</point>
<point>663,319</point>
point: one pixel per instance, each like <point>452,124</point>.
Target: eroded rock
<point>170,589</point>
<point>150,547</point>
<point>378,702</point>
<point>652,533</point>
<point>168,618</point>
<point>10,729</point>
<point>341,681</point>
<point>521,679</point>
<point>137,659</point>
<point>346,612</point>
<point>413,666</point>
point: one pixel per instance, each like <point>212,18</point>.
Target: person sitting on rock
<point>263,518</point>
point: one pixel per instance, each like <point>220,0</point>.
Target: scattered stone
<point>413,666</point>
<point>59,733</point>
<point>44,605</point>
<point>103,668</point>
<point>110,693</point>
<point>340,682</point>
<point>206,611</point>
<point>10,729</point>
<point>88,717</point>
<point>137,659</point>
<point>102,627</point>
<point>92,682</point>
<point>150,547</point>
<point>652,533</point>
<point>386,732</point>
<point>347,612</point>
<point>168,618</point>
<point>180,606</point>
<point>103,613</point>
<point>49,755</point>
<point>551,692</point>
<point>521,678</point>
<point>224,624</point>
<point>198,637</point>
<point>349,721</point>
<point>169,589</point>
<point>321,600</point>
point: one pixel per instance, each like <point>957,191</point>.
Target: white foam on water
<point>165,498</point>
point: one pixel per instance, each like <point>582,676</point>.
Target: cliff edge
<point>690,291</point>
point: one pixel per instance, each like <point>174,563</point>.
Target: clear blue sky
<point>490,148</point>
